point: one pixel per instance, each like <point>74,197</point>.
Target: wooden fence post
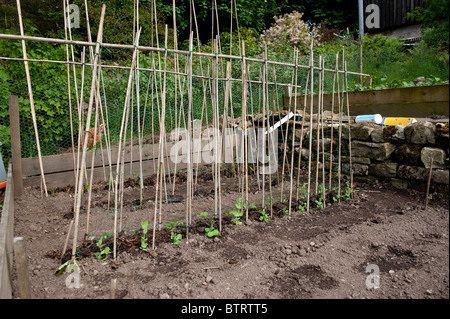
<point>16,153</point>
<point>20,257</point>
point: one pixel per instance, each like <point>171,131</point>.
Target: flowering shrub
<point>290,30</point>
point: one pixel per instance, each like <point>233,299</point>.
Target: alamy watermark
<point>373,280</point>
<point>73,16</point>
<point>227,146</point>
<point>373,19</point>
<point>73,279</point>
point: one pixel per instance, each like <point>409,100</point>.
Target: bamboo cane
<point>119,152</point>
<point>291,185</point>
<point>69,95</point>
<point>310,125</point>
<point>340,100</point>
<point>349,127</point>
<point>318,128</point>
<point>83,159</point>
<point>93,156</point>
<point>323,136</point>
<point>428,183</point>
<point>270,141</point>
<point>30,94</point>
<point>263,105</point>
<point>332,121</point>
<point>189,148</point>
<point>244,121</point>
<point>159,50</point>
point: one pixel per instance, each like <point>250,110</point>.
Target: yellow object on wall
<point>392,121</point>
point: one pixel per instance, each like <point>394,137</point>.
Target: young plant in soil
<point>104,252</point>
<point>239,211</point>
<point>348,192</point>
<point>173,224</point>
<point>176,238</point>
<point>302,208</point>
<point>63,267</point>
<point>203,215</point>
<point>264,216</point>
<point>144,244</point>
<point>211,231</point>
<point>303,192</point>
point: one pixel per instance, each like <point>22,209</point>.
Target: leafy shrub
<point>290,30</point>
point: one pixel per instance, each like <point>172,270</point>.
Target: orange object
<point>2,184</point>
<point>92,134</point>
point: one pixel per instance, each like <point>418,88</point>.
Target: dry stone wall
<point>396,155</point>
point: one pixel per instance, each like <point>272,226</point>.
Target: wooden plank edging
<point>6,238</point>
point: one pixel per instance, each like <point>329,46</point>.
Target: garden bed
<point>318,254</point>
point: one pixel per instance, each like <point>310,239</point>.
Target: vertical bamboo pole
<point>310,125</point>
<point>162,129</point>
<point>318,125</point>
<point>217,153</point>
<point>262,152</point>
<point>88,120</point>
<point>349,125</point>
<point>189,127</point>
<point>332,120</point>
<point>93,157</point>
<point>269,138</point>
<point>119,151</point>
<point>287,128</point>
<point>30,94</point>
<point>340,103</point>
<point>244,119</point>
<point>430,172</point>
<point>291,185</point>
<point>302,133</point>
<point>322,132</point>
<point>69,95</point>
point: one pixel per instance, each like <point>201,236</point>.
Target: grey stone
<point>375,151</point>
<point>412,173</point>
<point>361,132</point>
<point>394,134</point>
<point>358,169</point>
<point>440,177</point>
<point>356,160</point>
<point>302,252</point>
<point>442,135</point>
<point>377,135</point>
<point>397,183</point>
<point>420,133</point>
<point>384,169</point>
<point>164,296</point>
<point>437,154</point>
<point>365,179</point>
<point>408,154</point>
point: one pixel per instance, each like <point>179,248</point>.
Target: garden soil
<point>323,253</point>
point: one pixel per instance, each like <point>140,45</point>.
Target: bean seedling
<point>103,251</point>
<point>264,216</point>
<point>238,212</point>
<point>203,215</point>
<point>176,238</point>
<point>173,224</point>
<point>211,231</point>
<point>144,243</point>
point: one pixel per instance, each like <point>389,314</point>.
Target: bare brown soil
<point>320,254</point>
